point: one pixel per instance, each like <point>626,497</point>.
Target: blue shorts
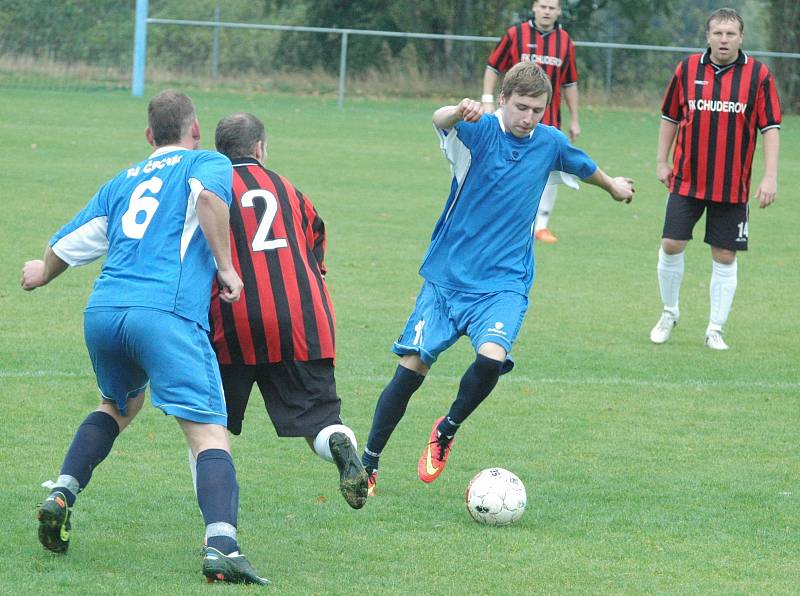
<point>130,347</point>
<point>441,316</point>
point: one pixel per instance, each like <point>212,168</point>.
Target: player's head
<point>546,13</point>
<point>171,118</point>
<point>241,135</point>
<point>724,34</point>
<point>524,95</point>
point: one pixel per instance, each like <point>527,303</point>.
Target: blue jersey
<point>144,221</point>
<point>483,241</point>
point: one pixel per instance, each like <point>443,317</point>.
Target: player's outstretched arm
<point>213,214</point>
<point>489,83</point>
<point>620,188</point>
<point>767,190</point>
<point>467,109</point>
<point>40,272</point>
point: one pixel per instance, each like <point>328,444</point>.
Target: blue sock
<point>370,461</point>
<point>90,445</point>
<point>218,496</point>
<point>477,383</point>
<point>390,409</point>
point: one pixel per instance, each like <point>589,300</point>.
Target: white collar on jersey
<point>499,117</point>
<point>166,149</point>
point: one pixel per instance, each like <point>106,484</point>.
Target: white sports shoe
<point>663,329</point>
<point>715,341</point>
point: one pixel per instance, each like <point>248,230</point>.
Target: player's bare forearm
<point>213,214</point>
<point>620,188</point>
<point>448,116</point>
<point>40,272</point>
<point>666,137</point>
<point>489,83</point>
<point>571,98</point>
<point>767,190</point>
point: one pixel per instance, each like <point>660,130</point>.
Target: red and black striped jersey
<point>552,50</point>
<point>718,110</point>
<point>278,249</point>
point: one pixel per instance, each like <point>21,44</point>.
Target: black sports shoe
<point>234,569</point>
<point>54,526</point>
<point>353,479</point>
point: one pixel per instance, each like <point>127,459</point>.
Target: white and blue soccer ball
<point>495,497</point>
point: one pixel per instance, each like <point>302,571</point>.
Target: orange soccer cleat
<point>434,458</point>
<point>546,236</point>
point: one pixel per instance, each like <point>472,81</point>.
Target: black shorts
<point>300,397</point>
<point>726,223</point>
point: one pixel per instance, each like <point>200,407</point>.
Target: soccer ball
<point>495,497</point>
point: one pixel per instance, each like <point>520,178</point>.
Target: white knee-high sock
<point>321,445</point>
<point>546,205</point>
<point>670,277</point>
<point>724,279</point>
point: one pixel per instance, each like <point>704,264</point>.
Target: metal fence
<point>142,22</point>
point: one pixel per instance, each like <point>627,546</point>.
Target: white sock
<point>321,445</point>
<point>546,205</point>
<point>670,277</point>
<point>724,279</point>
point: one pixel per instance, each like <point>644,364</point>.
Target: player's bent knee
<point>202,436</point>
<point>493,351</point>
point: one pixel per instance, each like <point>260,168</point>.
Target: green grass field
<point>649,469</point>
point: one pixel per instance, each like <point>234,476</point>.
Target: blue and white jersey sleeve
<point>84,239</point>
<point>213,172</point>
<point>573,160</point>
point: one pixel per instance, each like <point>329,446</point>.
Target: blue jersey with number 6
<point>144,221</point>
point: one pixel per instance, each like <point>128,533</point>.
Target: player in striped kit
<point>281,334</point>
<point>715,104</point>
<point>544,42</point>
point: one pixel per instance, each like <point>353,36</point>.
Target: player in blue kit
<point>163,227</point>
<point>479,266</point>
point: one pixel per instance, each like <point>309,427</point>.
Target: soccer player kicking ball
<point>479,266</point>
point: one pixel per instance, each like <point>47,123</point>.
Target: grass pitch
<point>670,469</point>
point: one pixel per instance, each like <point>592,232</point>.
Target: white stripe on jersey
<point>459,157</point>
<point>84,244</point>
<point>190,222</point>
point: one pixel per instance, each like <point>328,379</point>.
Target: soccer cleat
<point>233,569</point>
<point>353,480</point>
<point>54,524</point>
<point>714,340</point>
<point>663,329</point>
<point>546,236</point>
<point>372,483</point>
<point>433,459</point>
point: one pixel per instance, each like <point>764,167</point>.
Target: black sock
<point>477,382</point>
<point>390,408</point>
<point>90,445</point>
<point>218,496</point>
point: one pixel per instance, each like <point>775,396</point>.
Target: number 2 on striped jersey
<point>260,241</point>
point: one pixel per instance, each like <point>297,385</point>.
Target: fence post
<point>139,49</point>
<point>342,69</point>
<point>215,47</point>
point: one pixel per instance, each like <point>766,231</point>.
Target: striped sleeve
<point>769,106</point>
<point>671,107</point>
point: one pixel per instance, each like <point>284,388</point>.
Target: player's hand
<point>622,189</point>
<point>33,275</point>
<point>488,107</point>
<point>470,110</point>
<point>230,285</point>
<point>574,131</point>
<point>664,173</point>
<point>767,191</point>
